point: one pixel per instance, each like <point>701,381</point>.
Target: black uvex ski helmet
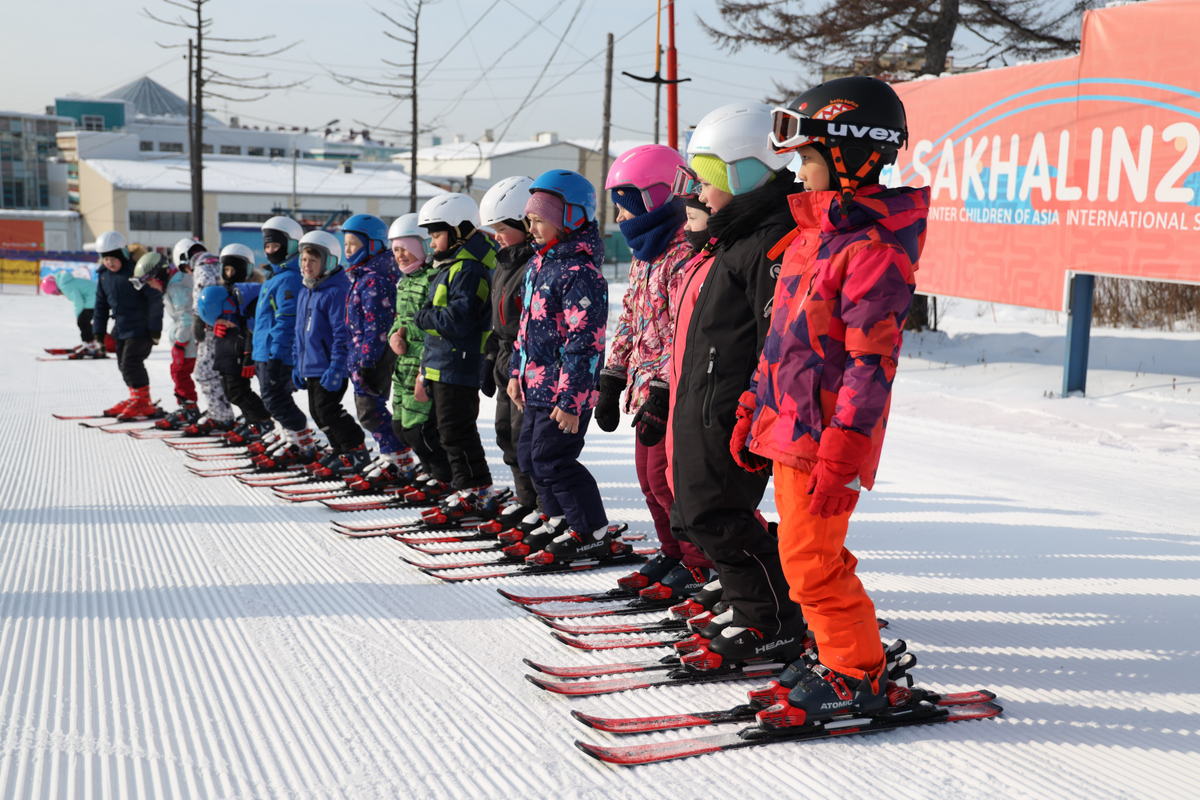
<point>858,124</point>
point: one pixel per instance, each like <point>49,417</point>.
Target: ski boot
<point>704,629</point>
<point>349,463</point>
<point>426,490</point>
<point>898,661</point>
<point>249,432</point>
<point>574,545</point>
<point>681,582</point>
<point>320,466</point>
<point>523,527</point>
<point>736,645</point>
<point>207,426</point>
<point>701,601</point>
<point>117,409</point>
<point>139,407</point>
<point>538,538</point>
<point>89,350</point>
<point>823,694</point>
<point>478,501</point>
<point>187,414</point>
<point>652,571</point>
<point>388,470</point>
<point>513,514</point>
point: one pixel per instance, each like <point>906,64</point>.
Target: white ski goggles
<point>788,129</point>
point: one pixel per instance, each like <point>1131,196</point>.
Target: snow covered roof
<point>150,98</point>
<point>262,176</point>
<point>460,150</point>
<point>615,146</point>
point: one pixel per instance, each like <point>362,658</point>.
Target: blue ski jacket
<point>275,321</point>
<point>322,337</point>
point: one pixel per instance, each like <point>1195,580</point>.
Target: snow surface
<point>166,636</point>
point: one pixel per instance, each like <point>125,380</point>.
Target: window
<point>278,152</point>
<point>170,147</point>
<point>206,149</point>
<point>231,150</point>
<point>146,147</point>
<point>160,220</point>
<point>223,219</point>
<point>14,194</point>
<point>254,151</point>
<point>92,122</point>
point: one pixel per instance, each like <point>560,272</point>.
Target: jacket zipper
<point>706,413</point>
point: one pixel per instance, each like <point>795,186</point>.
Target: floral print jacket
<point>560,341</point>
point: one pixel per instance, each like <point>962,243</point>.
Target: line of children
<point>158,272</point>
<point>137,323</point>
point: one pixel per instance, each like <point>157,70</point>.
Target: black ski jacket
<point>725,336</point>
<point>135,312</point>
<point>508,280</point>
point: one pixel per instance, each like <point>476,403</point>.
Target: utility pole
<point>416,127</point>
<point>198,133</point>
<point>657,94</point>
<point>193,154</point>
<point>603,216</point>
<point>672,82</point>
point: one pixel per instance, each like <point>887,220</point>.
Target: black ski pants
<point>508,433</point>
<point>457,411</point>
<point>239,392</point>
<point>331,417</point>
<point>275,383</point>
<point>746,557</point>
<point>84,321</point>
<point>426,444</point>
<point>131,359</point>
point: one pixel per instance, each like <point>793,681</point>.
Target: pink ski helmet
<point>650,169</point>
<point>49,285</point>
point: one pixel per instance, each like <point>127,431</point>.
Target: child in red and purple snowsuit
<point>556,361</point>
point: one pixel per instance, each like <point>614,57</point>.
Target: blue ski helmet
<point>214,302</point>
<point>576,192</point>
<point>374,233</point>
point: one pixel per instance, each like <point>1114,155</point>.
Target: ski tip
<point>976,711</point>
<point>534,665</point>
<point>586,719</point>
<point>542,683</point>
<point>882,623</point>
<point>595,751</point>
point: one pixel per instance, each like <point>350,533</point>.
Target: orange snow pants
<point>820,575</point>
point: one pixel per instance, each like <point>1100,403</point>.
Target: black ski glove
<point>366,377</point>
<point>199,329</point>
<point>487,378</point>
<point>651,419</point>
<point>608,407</point>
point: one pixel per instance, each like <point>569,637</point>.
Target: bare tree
<point>200,77</point>
<point>857,35</point>
<point>400,83</point>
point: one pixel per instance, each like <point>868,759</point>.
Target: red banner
<point>1087,164</point>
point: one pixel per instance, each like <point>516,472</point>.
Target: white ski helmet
<point>406,225</point>
<point>179,253</point>
<point>287,225</point>
<point>506,200</point>
<point>737,134</point>
<point>327,243</point>
<point>451,209</point>
<point>238,251</point>
<point>110,241</point>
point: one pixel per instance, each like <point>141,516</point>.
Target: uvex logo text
<point>864,131</point>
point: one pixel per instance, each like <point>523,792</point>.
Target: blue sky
<point>90,49</point>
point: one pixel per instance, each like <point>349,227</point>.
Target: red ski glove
<point>738,447</point>
<point>221,327</point>
<point>248,372</point>
<point>834,483</point>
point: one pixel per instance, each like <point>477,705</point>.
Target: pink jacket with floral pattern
<point>641,346</point>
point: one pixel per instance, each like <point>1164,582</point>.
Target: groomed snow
<point>166,636</point>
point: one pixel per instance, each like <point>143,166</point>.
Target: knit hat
<point>547,206</point>
<point>630,199</point>
<point>711,170</point>
<point>694,202</point>
<point>414,245</point>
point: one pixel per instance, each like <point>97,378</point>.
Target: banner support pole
<point>1079,330</point>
